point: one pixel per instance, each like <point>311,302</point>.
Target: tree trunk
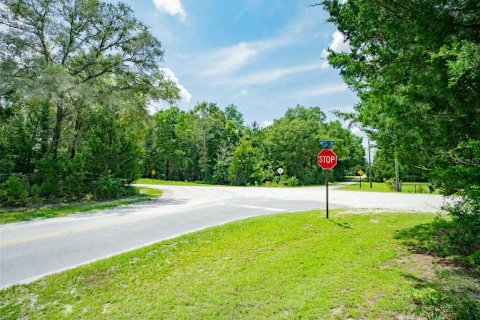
<point>76,133</point>
<point>57,131</point>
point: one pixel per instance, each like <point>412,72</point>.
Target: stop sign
<point>327,159</point>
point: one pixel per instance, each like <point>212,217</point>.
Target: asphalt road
<point>30,250</point>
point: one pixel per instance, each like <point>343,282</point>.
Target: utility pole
<point>369,165</point>
<point>398,188</point>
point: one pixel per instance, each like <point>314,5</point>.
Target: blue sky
<point>264,56</point>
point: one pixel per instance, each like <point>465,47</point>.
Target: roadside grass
<point>407,187</point>
<point>171,183</point>
<point>199,183</point>
<point>59,210</point>
<point>284,266</point>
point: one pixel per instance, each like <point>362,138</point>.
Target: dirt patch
<point>420,265</point>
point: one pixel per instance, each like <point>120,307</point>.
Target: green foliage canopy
<point>415,66</point>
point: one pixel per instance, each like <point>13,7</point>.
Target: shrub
<point>390,183</point>
<point>109,187</point>
<point>289,181</point>
<point>464,232</point>
<point>15,192</point>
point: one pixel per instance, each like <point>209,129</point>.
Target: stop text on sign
<point>327,159</point>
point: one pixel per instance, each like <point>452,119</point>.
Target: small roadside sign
<point>280,171</point>
<point>360,173</point>
<point>327,144</point>
<point>153,172</point>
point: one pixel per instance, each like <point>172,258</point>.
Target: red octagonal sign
<point>327,159</point>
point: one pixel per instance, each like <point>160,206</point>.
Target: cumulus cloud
<point>172,7</point>
<point>170,75</point>
<point>266,123</point>
<point>338,44</point>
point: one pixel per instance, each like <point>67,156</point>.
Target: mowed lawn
<point>60,210</point>
<point>407,187</point>
<point>284,266</point>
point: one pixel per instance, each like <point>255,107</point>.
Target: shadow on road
<point>131,208</point>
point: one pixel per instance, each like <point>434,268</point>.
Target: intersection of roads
<point>30,250</point>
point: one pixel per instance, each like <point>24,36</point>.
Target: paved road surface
<point>30,250</point>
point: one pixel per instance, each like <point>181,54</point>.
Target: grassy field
<point>407,187</point>
<point>170,183</point>
<point>53,211</point>
<point>271,267</point>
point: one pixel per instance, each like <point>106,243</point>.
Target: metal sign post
<point>327,159</point>
<point>360,172</point>
<point>327,177</point>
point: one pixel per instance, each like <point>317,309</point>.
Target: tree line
<point>213,145</point>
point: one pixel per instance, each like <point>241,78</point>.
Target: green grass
<point>171,183</point>
<point>59,210</point>
<point>199,183</point>
<point>282,266</point>
<point>407,187</point>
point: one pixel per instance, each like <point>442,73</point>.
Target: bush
<point>289,181</point>
<point>15,192</point>
<point>464,233</point>
<point>108,187</point>
<point>390,183</point>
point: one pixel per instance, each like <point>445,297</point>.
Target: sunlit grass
<point>407,187</point>
<point>59,210</point>
<point>284,266</point>
<point>171,183</point>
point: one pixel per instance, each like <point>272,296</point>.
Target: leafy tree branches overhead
<point>415,66</point>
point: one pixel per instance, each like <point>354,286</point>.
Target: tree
<point>292,142</point>
<point>67,51</point>
<point>209,123</point>
<point>415,66</point>
<point>245,164</point>
<point>75,79</point>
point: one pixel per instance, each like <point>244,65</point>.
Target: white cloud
<point>229,59</point>
<point>356,130</point>
<point>272,75</point>
<point>319,91</point>
<point>170,75</point>
<point>339,43</point>
<point>172,7</point>
<point>266,123</point>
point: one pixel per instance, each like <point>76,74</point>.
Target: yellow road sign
<point>360,172</point>
<point>153,172</point>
